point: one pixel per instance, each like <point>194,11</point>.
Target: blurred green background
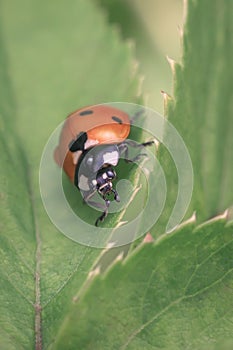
<point>153,26</point>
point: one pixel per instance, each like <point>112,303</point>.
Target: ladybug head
<point>104,179</point>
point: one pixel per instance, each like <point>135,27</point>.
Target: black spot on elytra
<point>79,143</point>
<point>86,112</point>
<point>117,119</point>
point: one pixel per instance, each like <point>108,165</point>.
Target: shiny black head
<point>104,179</point>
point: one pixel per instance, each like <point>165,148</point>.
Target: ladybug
<point>92,141</point>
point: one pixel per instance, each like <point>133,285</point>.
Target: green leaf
<point>174,294</point>
<point>202,107</point>
<point>55,58</point>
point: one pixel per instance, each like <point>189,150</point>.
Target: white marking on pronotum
<point>111,158</point>
<point>90,143</point>
<point>83,183</point>
<point>76,156</point>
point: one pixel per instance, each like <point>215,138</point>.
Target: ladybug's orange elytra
<point>103,125</point>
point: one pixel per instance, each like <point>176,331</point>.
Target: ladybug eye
<point>111,174</point>
<point>86,112</point>
<point>117,119</point>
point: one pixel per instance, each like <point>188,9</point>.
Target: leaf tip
<point>166,99</point>
<point>157,143</point>
<point>148,238</point>
<point>189,221</point>
<point>225,214</point>
<point>119,257</point>
<point>93,273</point>
<point>172,63</point>
<point>110,245</point>
<point>165,95</point>
<point>220,217</point>
<point>192,219</point>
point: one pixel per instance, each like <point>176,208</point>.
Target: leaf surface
<point>202,108</point>
<point>173,294</point>
<point>55,58</point>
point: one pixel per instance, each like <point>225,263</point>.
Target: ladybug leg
<point>104,207</point>
<point>124,149</point>
<point>104,214</point>
<point>86,198</point>
<point>136,158</point>
<point>116,195</point>
<point>133,143</point>
<point>107,203</point>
